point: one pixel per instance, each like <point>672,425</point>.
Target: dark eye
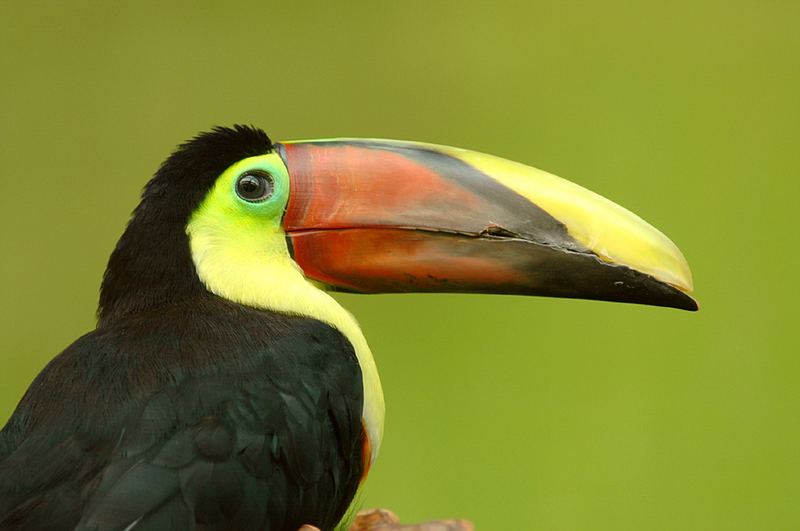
<point>254,186</point>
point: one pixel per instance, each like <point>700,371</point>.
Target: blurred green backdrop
<point>512,412</point>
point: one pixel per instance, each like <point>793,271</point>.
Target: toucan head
<point>231,210</point>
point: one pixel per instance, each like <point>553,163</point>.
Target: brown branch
<point>385,520</point>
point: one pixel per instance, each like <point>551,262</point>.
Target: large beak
<point>382,216</point>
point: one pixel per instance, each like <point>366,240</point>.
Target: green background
<point>512,412</point>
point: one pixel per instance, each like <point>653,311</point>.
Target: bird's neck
<point>151,267</point>
<point>254,268</point>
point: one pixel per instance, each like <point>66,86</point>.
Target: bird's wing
<point>279,445</point>
<point>261,455</point>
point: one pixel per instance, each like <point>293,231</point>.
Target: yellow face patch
<point>238,214</point>
<point>239,250</point>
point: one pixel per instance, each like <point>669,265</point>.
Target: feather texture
<point>207,416</point>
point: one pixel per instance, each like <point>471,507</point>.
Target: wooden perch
<point>385,520</point>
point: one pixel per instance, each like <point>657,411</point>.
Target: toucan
<point>224,387</point>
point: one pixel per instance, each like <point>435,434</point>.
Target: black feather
<point>198,414</point>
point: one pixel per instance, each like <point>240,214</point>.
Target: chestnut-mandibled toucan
<point>224,388</point>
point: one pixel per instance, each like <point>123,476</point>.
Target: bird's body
<point>223,387</point>
<point>206,410</point>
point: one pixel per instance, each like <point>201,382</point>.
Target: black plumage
<point>151,265</point>
<point>183,410</point>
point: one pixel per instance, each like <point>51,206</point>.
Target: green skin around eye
<point>249,211</point>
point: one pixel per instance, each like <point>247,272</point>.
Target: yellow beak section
<point>383,216</point>
<point>612,232</point>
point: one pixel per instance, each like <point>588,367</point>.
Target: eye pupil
<point>250,185</point>
<point>254,186</point>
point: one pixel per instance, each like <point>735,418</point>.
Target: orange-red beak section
<point>385,217</point>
